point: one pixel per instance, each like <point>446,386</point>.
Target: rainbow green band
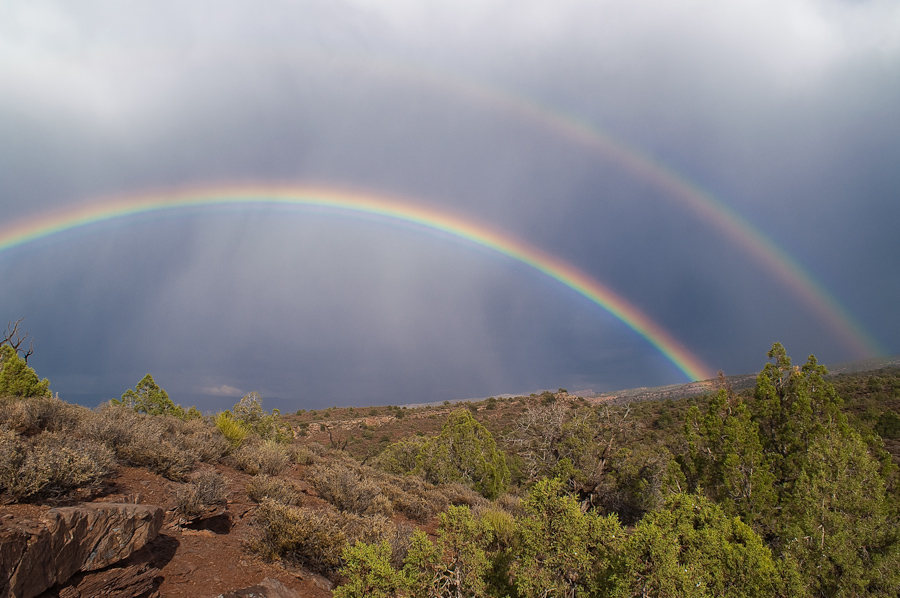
<point>25,231</point>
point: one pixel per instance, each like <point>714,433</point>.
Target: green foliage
<point>466,452</point>
<point>147,397</point>
<point>840,525</point>
<point>793,405</point>
<point>369,572</point>
<point>250,414</point>
<point>400,457</point>
<point>691,548</point>
<point>17,379</point>
<point>888,425</point>
<point>456,564</point>
<point>726,459</point>
<point>233,430</point>
<point>563,551</point>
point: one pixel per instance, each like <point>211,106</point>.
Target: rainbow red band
<point>25,231</point>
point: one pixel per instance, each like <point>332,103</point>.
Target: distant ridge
<point>689,389</point>
<point>738,382</point>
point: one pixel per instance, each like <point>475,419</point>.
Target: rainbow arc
<point>25,231</point>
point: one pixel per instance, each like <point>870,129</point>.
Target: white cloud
<point>223,390</point>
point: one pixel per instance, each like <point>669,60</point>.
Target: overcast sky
<point>528,117</point>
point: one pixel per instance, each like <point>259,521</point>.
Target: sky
<point>725,174</point>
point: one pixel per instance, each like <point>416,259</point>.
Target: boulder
<point>267,588</point>
<point>36,555</point>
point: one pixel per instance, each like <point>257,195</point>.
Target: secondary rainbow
<point>730,225</point>
<point>25,231</point>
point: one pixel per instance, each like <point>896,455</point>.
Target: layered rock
<point>267,588</point>
<point>36,555</point>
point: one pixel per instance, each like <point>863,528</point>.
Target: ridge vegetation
<point>788,488</point>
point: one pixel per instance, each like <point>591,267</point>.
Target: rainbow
<point>25,231</point>
<point>688,195</point>
<point>676,187</point>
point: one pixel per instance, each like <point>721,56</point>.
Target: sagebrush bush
<point>204,492</point>
<point>282,491</point>
<point>158,454</point>
<point>204,440</point>
<point>303,455</point>
<point>511,503</point>
<point>267,457</point>
<point>347,490</point>
<point>164,444</point>
<point>314,538</point>
<point>33,415</point>
<point>458,494</point>
<point>50,464</point>
<point>413,506</point>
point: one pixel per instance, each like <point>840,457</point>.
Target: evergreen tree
<point>17,379</point>
<point>691,548</point>
<point>839,524</point>
<point>148,397</point>
<point>464,451</point>
<point>726,459</point>
<point>793,405</point>
<point>562,550</point>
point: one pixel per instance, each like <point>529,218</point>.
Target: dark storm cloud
<point>784,111</point>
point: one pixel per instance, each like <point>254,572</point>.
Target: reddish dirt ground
<point>207,557</point>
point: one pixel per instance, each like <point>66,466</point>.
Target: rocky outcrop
<point>36,555</point>
<point>267,588</point>
<point>134,581</point>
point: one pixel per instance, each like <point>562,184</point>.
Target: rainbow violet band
<point>25,231</point>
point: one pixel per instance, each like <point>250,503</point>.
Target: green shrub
<point>200,494</point>
<point>268,457</point>
<point>369,572</point>
<point>692,548</point>
<point>282,491</point>
<point>233,430</point>
<point>464,451</point>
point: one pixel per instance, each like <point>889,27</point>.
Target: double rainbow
<point>25,231</point>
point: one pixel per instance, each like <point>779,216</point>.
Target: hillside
<point>253,494</point>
